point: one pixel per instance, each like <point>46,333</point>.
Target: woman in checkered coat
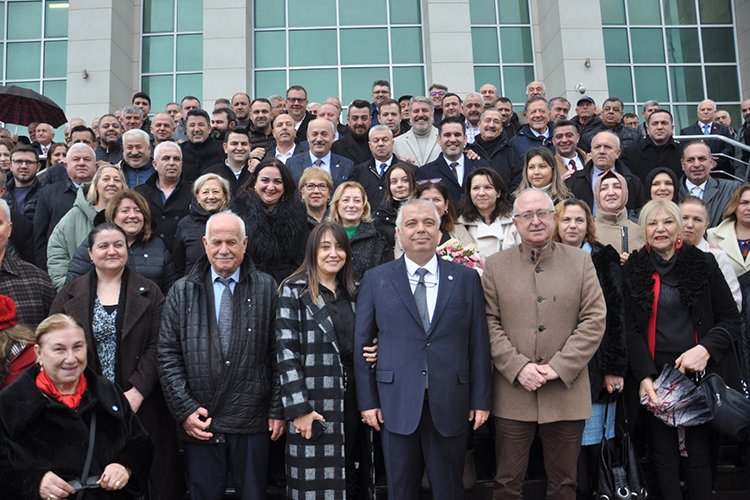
<point>315,340</point>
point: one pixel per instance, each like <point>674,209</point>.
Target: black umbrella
<point>24,106</point>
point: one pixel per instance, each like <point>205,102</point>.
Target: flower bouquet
<point>455,251</point>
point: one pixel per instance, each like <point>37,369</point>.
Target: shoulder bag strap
<point>89,453</point>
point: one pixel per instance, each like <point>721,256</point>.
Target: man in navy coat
<point>452,166</point>
<point>706,126</point>
<point>320,134</point>
<point>433,372</point>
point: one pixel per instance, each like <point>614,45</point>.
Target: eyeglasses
<point>18,163</point>
<point>296,99</point>
<point>437,93</point>
<point>381,92</point>
<point>320,187</point>
<point>429,181</point>
<point>91,483</point>
<point>529,216</point>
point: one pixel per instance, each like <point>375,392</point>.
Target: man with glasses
<point>436,94</point>
<point>381,91</point>
<point>553,319</point>
<point>23,188</point>
<point>296,105</point>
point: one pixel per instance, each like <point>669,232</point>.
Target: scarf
<point>598,187</point>
<point>72,401</point>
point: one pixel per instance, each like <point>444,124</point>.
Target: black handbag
<point>730,407</point>
<point>619,478</point>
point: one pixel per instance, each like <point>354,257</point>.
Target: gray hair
<point>474,94</point>
<point>652,102</point>
<point>4,206</point>
<point>131,110</point>
<point>137,133</point>
<point>200,181</point>
<point>275,98</point>
<point>231,214</point>
<point>532,100</point>
<point>416,202</point>
<point>554,100</point>
<point>379,128</point>
<point>421,98</point>
<point>610,133</point>
<point>544,87</point>
<point>528,190</point>
<point>164,144</point>
<point>80,145</point>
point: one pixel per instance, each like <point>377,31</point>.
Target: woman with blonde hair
<point>350,209</point>
<point>733,234</point>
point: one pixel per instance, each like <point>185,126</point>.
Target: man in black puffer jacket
<point>217,364</point>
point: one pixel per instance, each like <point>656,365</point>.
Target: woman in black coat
<point>211,194</point>
<point>695,320</point>
<point>349,208</point>
<point>275,220</point>
<point>401,183</point>
<point>146,255</point>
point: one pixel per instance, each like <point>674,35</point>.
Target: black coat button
<point>539,299</point>
<point>537,270</point>
<point>541,328</point>
<point>538,360</point>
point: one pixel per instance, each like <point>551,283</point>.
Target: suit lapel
<point>711,190</point>
<point>400,280</point>
<point>446,283</point>
<point>445,171</point>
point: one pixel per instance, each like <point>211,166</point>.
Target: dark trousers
<point>443,457</point>
<point>244,455</point>
<point>665,455</point>
<point>561,443</point>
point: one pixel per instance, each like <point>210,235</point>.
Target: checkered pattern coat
<point>312,378</point>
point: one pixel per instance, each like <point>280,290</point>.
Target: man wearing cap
<point>585,118</point>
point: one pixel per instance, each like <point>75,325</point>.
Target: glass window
<point>616,46</point>
<point>684,116</point>
<point>484,46</point>
<point>269,13</point>
<point>722,84</point>
<point>682,45</point>
<point>158,53</point>
<point>159,89</point>
<point>302,15</point>
<point>651,83</point>
<point>189,53</point>
<point>312,48</point>
<point>482,11</point>
<point>648,46</point>
<point>516,45</point>
<point>405,12</point>
<point>362,12</point>
<point>188,84</point>
<point>687,83</point>
<point>24,20</point>
<point>269,83</point>
<point>158,16</point>
<point>356,83</point>
<point>56,20</point>
<point>619,82</point>
<point>55,59</point>
<point>516,78</point>
<point>364,46</point>
<point>406,46</point>
<point>319,83</point>
<point>24,60</point>
<point>613,11</point>
<point>409,80</point>
<point>679,12</point>
<point>715,11</point>
<point>55,90</point>
<point>718,45</point>
<point>190,15</point>
<point>488,74</point>
<point>644,12</point>
<point>29,85</point>
<point>270,49</point>
<point>513,11</point>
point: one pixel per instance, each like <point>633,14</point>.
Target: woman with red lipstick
<point>540,172</point>
<point>679,312</point>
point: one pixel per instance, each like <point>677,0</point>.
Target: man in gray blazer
<point>420,142</point>
<point>697,181</point>
<point>320,134</point>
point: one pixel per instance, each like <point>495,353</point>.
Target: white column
<point>227,49</point>
<point>448,53</point>
<point>103,40</point>
<point>567,33</point>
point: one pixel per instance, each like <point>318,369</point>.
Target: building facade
<point>90,56</point>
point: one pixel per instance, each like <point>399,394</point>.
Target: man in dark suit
<point>452,166</point>
<point>433,372</point>
<point>320,134</point>
<point>371,174</point>
<point>296,105</point>
<point>354,144</point>
<point>706,126</point>
<point>44,135</point>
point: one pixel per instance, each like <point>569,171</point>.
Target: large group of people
<point>257,285</point>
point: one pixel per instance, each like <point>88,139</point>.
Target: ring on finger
<point>117,483</point>
<point>618,386</point>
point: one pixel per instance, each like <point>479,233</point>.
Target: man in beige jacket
<point>546,317</point>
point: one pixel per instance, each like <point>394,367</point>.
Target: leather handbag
<point>619,477</point>
<point>730,407</point>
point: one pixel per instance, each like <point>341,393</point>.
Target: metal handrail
<point>722,138</point>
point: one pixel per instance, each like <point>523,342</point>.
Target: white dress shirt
<point>283,157</point>
<point>459,169</point>
<point>326,161</point>
<point>696,190</point>
<point>431,280</point>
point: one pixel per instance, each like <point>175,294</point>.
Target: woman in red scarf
<point>45,419</point>
<point>16,344</point>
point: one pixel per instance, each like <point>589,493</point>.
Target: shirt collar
<point>235,276</point>
<point>537,134</point>
<point>431,266</point>
<point>326,159</point>
<point>689,185</point>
